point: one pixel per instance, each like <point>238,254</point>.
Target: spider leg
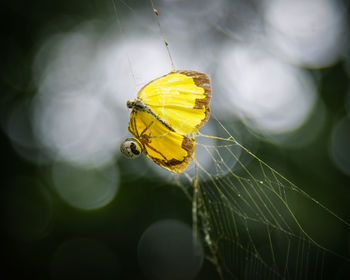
<point>146,128</point>
<point>134,127</point>
<point>162,135</point>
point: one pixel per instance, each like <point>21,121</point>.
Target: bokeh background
<point>73,207</point>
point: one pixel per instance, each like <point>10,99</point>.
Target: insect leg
<point>162,135</point>
<point>134,127</point>
<point>146,128</point>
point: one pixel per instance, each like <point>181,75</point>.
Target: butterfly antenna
<point>156,12</point>
<point>115,6</point>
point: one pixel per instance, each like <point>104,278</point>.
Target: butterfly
<point>166,114</point>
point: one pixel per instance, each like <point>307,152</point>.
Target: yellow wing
<point>179,98</point>
<point>162,144</point>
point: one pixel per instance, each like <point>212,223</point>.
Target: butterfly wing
<point>163,145</point>
<point>179,98</point>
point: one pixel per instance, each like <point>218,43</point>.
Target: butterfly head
<point>130,103</point>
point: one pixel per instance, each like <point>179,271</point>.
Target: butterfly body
<point>140,105</point>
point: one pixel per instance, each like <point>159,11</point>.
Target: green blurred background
<point>72,207</point>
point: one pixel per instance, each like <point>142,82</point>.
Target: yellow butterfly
<point>166,111</point>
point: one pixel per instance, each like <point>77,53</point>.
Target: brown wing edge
<point>201,80</point>
<point>175,165</point>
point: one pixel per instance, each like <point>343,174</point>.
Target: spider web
<point>249,218</point>
<point>252,221</point>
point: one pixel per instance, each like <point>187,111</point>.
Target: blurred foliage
<point>140,201</point>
